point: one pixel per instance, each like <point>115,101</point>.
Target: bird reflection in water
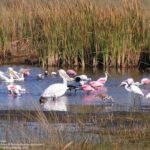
<point>14,102</point>
<point>55,105</point>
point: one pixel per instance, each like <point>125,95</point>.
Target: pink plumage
<point>71,73</point>
<point>145,81</point>
<point>87,88</point>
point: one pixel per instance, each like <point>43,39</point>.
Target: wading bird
<point>16,75</point>
<point>16,90</point>
<point>96,84</point>
<point>71,73</point>
<point>87,88</point>
<point>103,79</point>
<point>132,88</point>
<point>104,97</point>
<point>145,81</point>
<point>55,90</point>
<point>135,90</point>
<point>6,78</point>
<point>25,72</point>
<point>148,96</point>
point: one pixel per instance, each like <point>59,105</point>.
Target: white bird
<point>135,90</point>
<point>6,78</point>
<point>24,71</point>
<point>132,88</point>
<point>40,76</point>
<point>16,75</point>
<point>148,96</point>
<point>83,77</point>
<point>55,90</point>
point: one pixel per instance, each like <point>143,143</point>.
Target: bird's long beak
<point>108,73</point>
<point>122,84</point>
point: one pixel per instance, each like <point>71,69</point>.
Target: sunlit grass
<point>80,32</point>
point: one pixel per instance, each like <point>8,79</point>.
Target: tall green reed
<point>81,33</point>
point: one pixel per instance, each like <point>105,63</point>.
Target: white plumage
<point>132,88</point>
<point>16,75</point>
<point>5,77</point>
<point>148,96</point>
<point>55,90</point>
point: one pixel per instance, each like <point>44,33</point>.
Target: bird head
<point>107,73</point>
<point>42,100</point>
<point>46,73</point>
<point>77,79</point>
<point>10,69</point>
<point>123,84</point>
<point>62,73</point>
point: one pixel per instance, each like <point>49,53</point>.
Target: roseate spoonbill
<point>103,79</point>
<point>145,81</point>
<point>87,88</point>
<point>55,90</point>
<point>15,89</point>
<point>71,73</point>
<point>96,84</point>
<point>6,78</point>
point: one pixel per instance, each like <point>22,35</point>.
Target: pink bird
<point>103,79</point>
<point>96,83</point>
<point>145,81</point>
<point>100,82</point>
<point>71,73</point>
<point>87,88</point>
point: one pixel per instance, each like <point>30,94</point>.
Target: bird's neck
<point>127,87</point>
<point>64,81</point>
<point>106,76</point>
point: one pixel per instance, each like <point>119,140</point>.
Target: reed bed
<point>78,33</point>
<point>63,130</point>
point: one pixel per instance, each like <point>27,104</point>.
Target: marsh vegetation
<point>76,33</point>
<point>65,130</point>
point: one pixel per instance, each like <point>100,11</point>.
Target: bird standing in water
<point>55,90</point>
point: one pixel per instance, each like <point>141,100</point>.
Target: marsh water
<point>79,102</point>
<point>34,88</point>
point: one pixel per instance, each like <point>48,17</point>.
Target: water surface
<point>30,100</point>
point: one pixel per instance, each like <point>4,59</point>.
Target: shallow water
<point>34,88</point>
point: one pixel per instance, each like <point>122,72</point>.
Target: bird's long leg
<point>54,98</point>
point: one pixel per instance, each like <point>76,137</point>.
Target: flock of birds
<point>71,81</point>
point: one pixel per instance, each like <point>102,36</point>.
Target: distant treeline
<point>77,32</point>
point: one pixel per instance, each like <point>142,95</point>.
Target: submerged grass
<point>79,32</point>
